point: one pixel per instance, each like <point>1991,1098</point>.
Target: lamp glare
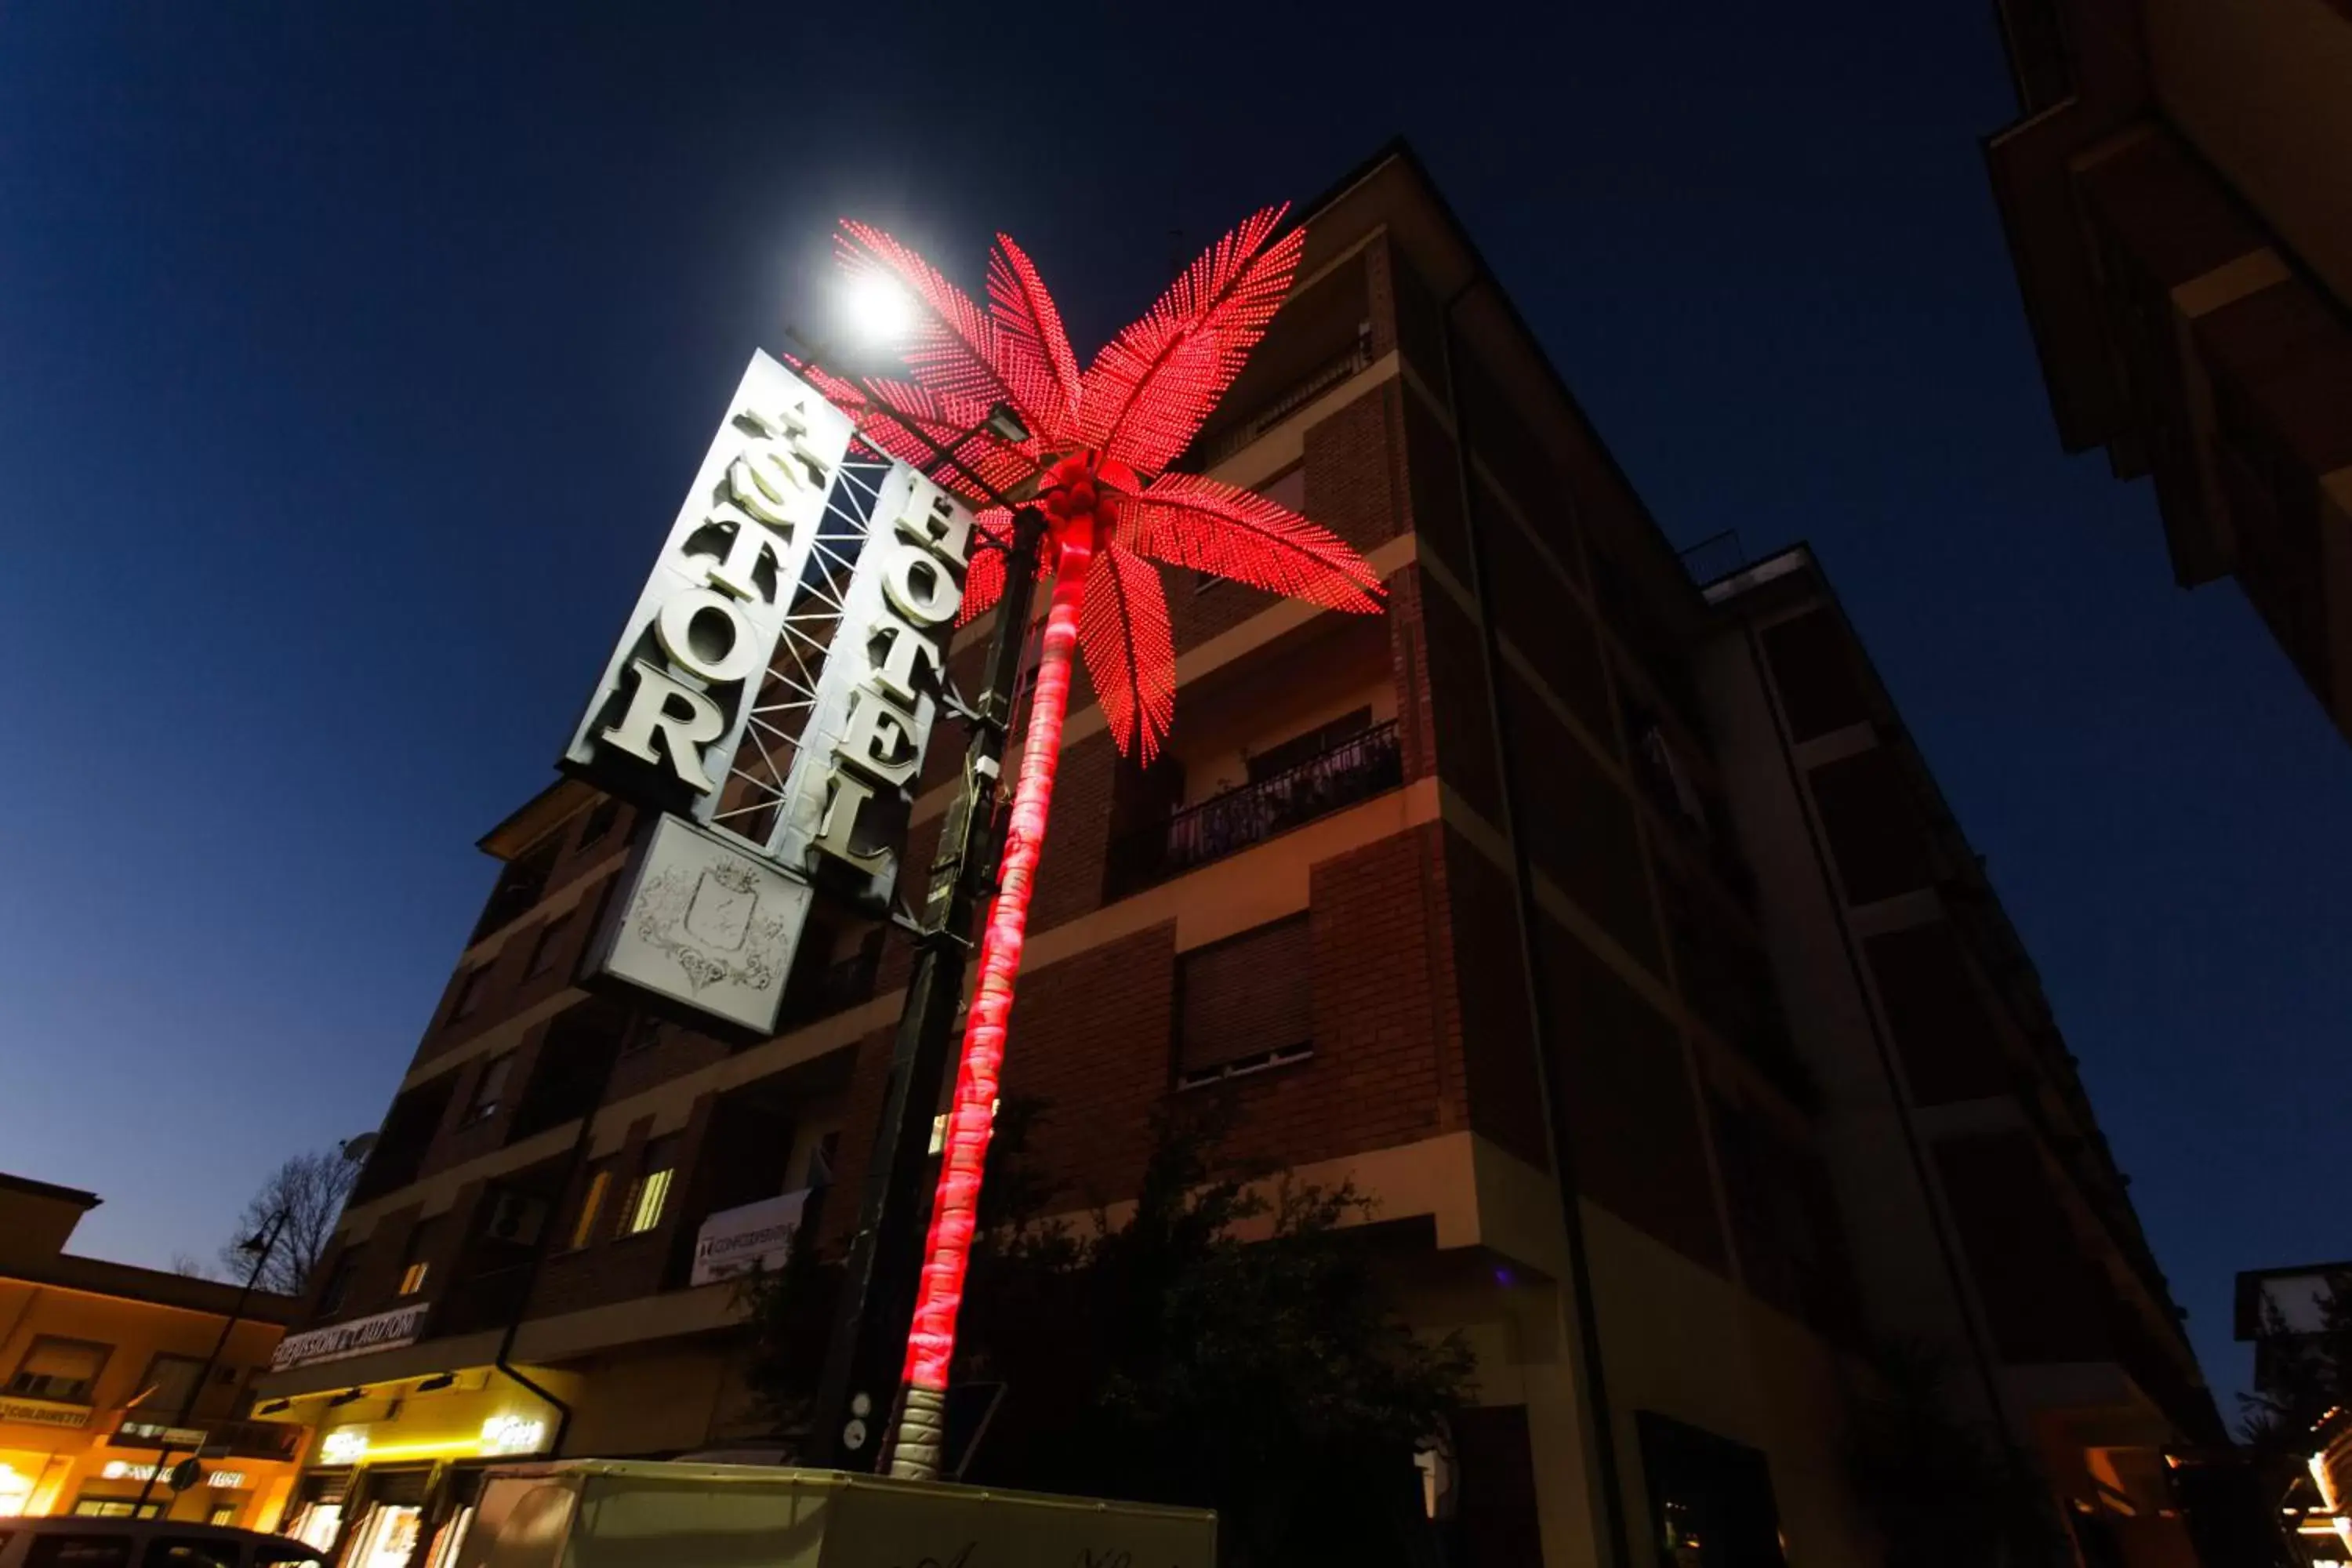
<point>880,308</point>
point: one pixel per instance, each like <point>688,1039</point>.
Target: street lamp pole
<point>866,1352</point>
<point>261,1246</point>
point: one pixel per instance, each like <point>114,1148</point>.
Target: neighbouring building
<point>1607,929</point>
<point>100,1360</point>
<point>2174,197</point>
<point>2293,1318</point>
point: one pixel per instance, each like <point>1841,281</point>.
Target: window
<point>339,1280</point>
<point>490,1087</point>
<point>416,1262</point>
<point>1245,1004</point>
<point>190,1551</point>
<point>650,1192</point>
<point>111,1508</point>
<point>83,1551</point>
<point>591,1204</point>
<point>169,1386</point>
<point>222,1513</point>
<point>62,1370</point>
<point>550,946</point>
<point>600,822</point>
<point>470,991</point>
<point>645,1033</point>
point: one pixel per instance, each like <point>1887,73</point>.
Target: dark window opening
<point>338,1288</point>
<point>600,822</point>
<point>568,1076</point>
<point>489,1089</point>
<point>518,887</point>
<point>1711,1502</point>
<point>548,947</point>
<point>1820,690</point>
<point>470,991</point>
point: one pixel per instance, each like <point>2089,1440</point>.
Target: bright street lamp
<point>880,308</point>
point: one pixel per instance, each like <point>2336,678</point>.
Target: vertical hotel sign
<point>771,696</point>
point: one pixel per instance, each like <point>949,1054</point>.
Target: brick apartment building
<point>1562,877</point>
<point>2174,195</point>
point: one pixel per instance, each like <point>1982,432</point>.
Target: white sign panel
<point>704,923</point>
<point>756,1236</point>
<point>44,1413</point>
<point>678,692</point>
<point>385,1331</point>
<point>852,781</point>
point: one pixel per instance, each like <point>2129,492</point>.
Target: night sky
<point>351,367</point>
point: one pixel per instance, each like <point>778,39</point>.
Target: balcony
<point>489,1300</point>
<point>1365,765</point>
<point>1218,444</point>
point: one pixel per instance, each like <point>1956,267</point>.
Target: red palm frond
<point>955,350</point>
<point>1030,324</point>
<point>983,576</point>
<point>1131,654</point>
<point>1187,520</point>
<point>1150,388</point>
<point>911,424</point>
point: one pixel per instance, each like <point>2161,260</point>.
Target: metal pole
<point>195,1390</point>
<point>866,1352</point>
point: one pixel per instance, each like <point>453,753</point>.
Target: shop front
<point>391,1476</point>
<point>241,1474</point>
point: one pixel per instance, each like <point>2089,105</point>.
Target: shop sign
<point>512,1434</point>
<point>772,698</point>
<point>343,1445</point>
<point>385,1331</point>
<point>755,1235</point>
<point>702,922</point>
<point>152,1434</point>
<point>124,1471</point>
<point>677,690</point>
<point>44,1413</point>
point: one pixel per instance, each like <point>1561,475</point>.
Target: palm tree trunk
<point>931,1342</point>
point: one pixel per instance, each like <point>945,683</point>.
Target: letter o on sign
<point>918,588</point>
<point>704,634</point>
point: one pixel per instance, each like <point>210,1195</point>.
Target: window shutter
<point>1246,998</point>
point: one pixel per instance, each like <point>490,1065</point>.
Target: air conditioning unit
<point>516,1219</point>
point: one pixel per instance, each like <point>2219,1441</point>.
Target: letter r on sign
<point>686,718</point>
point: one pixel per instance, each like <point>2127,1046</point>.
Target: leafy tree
<point>2301,1377</point>
<point>1230,1344</point>
<point>310,1189</point>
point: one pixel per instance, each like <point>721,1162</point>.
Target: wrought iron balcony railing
<point>1218,444</point>
<point>1357,769</point>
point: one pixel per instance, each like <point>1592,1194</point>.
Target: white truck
<point>597,1513</point>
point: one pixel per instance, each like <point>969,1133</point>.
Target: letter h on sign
<point>677,690</point>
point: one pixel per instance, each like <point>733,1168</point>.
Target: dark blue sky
<point>351,365</point>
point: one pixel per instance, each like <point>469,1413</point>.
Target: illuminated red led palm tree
<point>1091,452</point>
